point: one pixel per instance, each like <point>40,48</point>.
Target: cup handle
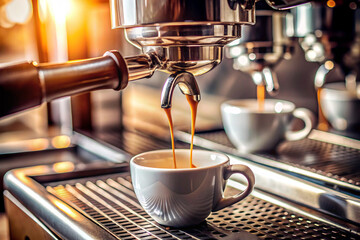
<point>248,174</point>
<point>309,119</point>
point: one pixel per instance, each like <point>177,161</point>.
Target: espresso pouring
<point>261,96</point>
<point>193,107</point>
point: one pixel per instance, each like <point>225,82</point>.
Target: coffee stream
<point>261,96</point>
<point>168,114</point>
<point>193,106</point>
<point>323,124</point>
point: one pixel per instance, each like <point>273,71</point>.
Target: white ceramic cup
<point>184,196</point>
<point>252,130</point>
<point>341,106</point>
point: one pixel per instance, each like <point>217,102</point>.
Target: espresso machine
<point>261,48</point>
<point>307,189</point>
<point>169,41</point>
<point>333,43</point>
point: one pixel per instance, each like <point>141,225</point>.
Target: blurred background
<point>65,30</point>
<point>57,31</point>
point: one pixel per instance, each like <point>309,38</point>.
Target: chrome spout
<point>321,73</point>
<point>187,84</point>
<point>268,78</point>
<point>271,81</point>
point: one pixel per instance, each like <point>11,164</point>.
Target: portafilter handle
<point>27,85</point>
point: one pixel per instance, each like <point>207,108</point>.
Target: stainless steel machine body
<point>174,36</point>
<point>330,35</point>
<point>185,35</point>
<point>98,202</point>
<point>263,46</point>
<point>307,189</point>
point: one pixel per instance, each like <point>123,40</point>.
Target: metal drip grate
<point>330,160</point>
<point>111,203</point>
<point>135,142</point>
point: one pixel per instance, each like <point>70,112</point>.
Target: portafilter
<point>174,36</point>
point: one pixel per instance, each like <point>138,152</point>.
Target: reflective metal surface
<point>187,84</point>
<point>175,36</point>
<point>330,33</point>
<point>51,211</point>
<point>111,202</point>
<point>321,74</point>
<point>271,81</point>
<point>147,12</point>
<point>264,45</point>
<point>186,35</point>
<point>108,203</point>
<point>195,48</point>
<point>142,66</point>
<point>285,4</point>
<point>30,228</point>
<point>194,59</point>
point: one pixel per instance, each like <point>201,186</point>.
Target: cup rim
<point>132,161</point>
<point>232,103</point>
<point>337,91</point>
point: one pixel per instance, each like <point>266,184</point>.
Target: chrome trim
<point>90,194</point>
<point>116,189</point>
<point>282,203</point>
<point>135,13</point>
<point>26,190</point>
<point>271,81</point>
<point>320,76</point>
<point>54,213</point>
<point>13,200</point>
<point>334,139</point>
<point>100,148</point>
<point>302,191</point>
<point>187,84</point>
<point>185,35</point>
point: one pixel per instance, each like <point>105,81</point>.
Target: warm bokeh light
<point>37,144</point>
<point>331,3</point>
<point>23,173</point>
<point>62,167</point>
<point>329,65</point>
<point>19,11</point>
<point>15,12</point>
<point>66,209</point>
<point>59,9</point>
<point>61,141</point>
<point>42,8</point>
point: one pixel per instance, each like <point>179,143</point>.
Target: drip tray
<point>86,205</point>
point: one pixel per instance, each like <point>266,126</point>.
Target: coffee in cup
<point>251,129</point>
<point>184,196</point>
